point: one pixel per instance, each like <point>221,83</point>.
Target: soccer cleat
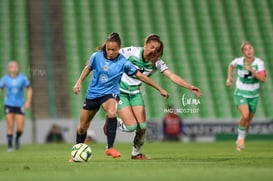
<point>71,160</point>
<point>112,152</point>
<point>9,150</point>
<point>240,144</point>
<point>140,156</point>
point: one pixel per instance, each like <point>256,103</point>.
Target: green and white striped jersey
<point>247,85</point>
<point>131,84</point>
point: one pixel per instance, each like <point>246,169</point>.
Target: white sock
<point>241,133</point>
<point>136,150</point>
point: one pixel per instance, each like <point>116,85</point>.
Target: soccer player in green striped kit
<point>251,72</point>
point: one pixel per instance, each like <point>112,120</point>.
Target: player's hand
<point>196,91</point>
<point>77,88</point>
<point>27,105</point>
<point>250,69</point>
<point>164,93</point>
<point>229,82</point>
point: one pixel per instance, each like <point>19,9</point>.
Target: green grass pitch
<point>170,161</point>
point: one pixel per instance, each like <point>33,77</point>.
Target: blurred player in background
<point>107,65</point>
<point>15,105</point>
<point>131,108</point>
<point>250,72</point>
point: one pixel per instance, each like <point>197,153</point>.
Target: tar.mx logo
<point>189,101</point>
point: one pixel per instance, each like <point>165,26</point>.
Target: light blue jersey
<point>107,74</point>
<point>14,89</point>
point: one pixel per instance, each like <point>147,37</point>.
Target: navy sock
<point>111,131</point>
<point>18,135</point>
<point>81,137</point>
<point>9,138</point>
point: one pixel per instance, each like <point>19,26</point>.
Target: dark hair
<point>113,37</point>
<point>157,54</point>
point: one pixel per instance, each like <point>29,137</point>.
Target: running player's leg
<point>242,105</point>
<point>10,126</point>
<point>244,111</point>
<point>127,121</point>
<point>85,118</point>
<point>139,112</point>
<point>252,103</point>
<point>251,115</point>
<point>110,107</point>
<point>20,122</point>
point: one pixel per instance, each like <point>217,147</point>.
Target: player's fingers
<point>76,90</point>
<point>197,92</point>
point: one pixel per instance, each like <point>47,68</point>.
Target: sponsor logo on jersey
<point>103,78</point>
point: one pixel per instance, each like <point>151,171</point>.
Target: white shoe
<point>240,144</point>
<point>9,150</point>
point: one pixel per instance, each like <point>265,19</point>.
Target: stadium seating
<point>13,36</point>
<point>201,38</point>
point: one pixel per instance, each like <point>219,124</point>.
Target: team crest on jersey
<point>105,67</point>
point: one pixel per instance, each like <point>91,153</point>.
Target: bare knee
<point>245,117</point>
<point>111,114</point>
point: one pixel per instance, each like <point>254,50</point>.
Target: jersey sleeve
<point>92,61</point>
<point>234,62</point>
<point>126,52</point>
<point>261,66</point>
<point>161,66</point>
<point>129,68</point>
<point>26,82</point>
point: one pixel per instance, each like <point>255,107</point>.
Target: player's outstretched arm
<point>150,82</point>
<point>77,86</point>
<point>181,82</point>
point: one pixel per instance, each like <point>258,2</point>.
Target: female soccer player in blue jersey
<point>15,105</point>
<point>131,108</point>
<point>107,65</point>
<point>251,71</point>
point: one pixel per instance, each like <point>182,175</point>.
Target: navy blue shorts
<point>14,110</point>
<point>94,104</point>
